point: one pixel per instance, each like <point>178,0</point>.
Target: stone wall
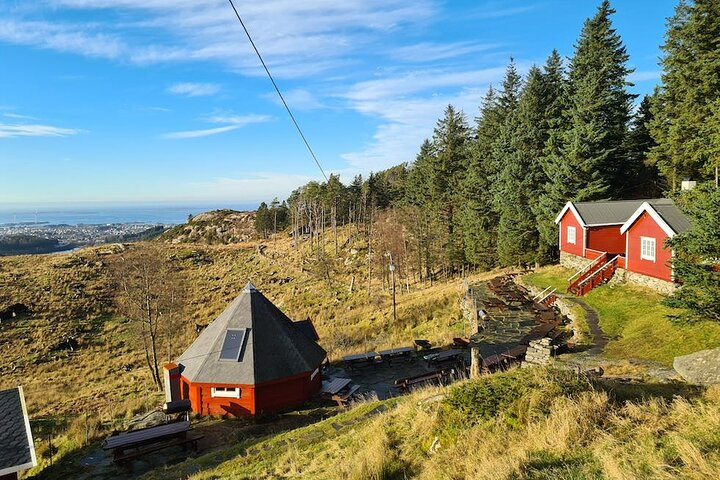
<point>566,307</point>
<point>573,262</point>
<point>625,276</point>
<point>539,352</point>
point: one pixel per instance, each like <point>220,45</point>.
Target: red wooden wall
<point>569,220</point>
<point>606,239</point>
<point>254,399</point>
<point>645,226</point>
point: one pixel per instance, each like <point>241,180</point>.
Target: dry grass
<point>70,295</point>
<point>581,435</point>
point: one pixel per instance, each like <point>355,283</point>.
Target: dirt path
<point>599,339</point>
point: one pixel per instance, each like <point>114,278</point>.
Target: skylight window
<point>232,345</point>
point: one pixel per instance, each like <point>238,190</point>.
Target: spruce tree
<point>696,253</point>
<point>479,218</point>
<point>643,179</point>
<point>450,144</point>
<point>551,195</point>
<point>690,86</point>
<point>599,110</point>
<point>586,158</point>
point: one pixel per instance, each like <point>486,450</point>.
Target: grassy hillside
<point>637,323</point>
<point>524,424</point>
<point>103,375</point>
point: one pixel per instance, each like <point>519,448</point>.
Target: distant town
<point>27,237</point>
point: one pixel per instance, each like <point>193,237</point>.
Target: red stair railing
<point>587,272</point>
<point>600,276</point>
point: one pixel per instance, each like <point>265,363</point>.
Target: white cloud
<point>409,105</point>
<point>239,120</point>
<point>17,116</point>
<point>644,76</point>
<point>297,99</point>
<point>10,131</point>
<point>190,89</point>
<point>430,52</point>
<point>296,38</point>
<point>199,133</point>
<point>253,187</point>
<point>80,39</point>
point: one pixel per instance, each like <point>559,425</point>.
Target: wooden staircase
<point>599,272</point>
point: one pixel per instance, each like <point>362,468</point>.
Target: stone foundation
<point>625,276</point>
<point>573,262</point>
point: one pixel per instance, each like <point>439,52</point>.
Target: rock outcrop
<point>700,368</point>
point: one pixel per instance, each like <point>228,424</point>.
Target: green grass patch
<point>636,321</point>
<point>516,395</point>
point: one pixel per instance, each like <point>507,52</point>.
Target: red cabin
<point>250,360</point>
<point>597,238</point>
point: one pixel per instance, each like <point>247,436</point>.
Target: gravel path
<point>599,338</point>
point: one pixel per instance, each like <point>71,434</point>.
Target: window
<point>225,392</point>
<point>647,248</point>
<point>571,235</point>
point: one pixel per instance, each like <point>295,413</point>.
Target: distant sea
<point>102,214</point>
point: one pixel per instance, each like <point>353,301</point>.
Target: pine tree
<point>478,215</point>
<point>450,144</point>
<point>263,220</point>
<point>586,158</point>
<point>690,86</point>
<point>552,196</point>
<point>515,158</point>
<point>643,179</point>
<point>696,253</point>
<point>600,109</point>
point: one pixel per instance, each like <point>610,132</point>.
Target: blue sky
<point>164,100</point>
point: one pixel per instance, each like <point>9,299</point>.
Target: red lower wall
<point>254,399</point>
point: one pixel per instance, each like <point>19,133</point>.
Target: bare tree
<point>150,294</point>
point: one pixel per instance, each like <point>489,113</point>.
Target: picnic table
<point>339,390</point>
<point>445,358</point>
<point>360,359</point>
<point>150,439</point>
<point>394,353</point>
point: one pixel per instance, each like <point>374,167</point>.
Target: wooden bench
<point>431,378</point>
<point>362,359</point>
<point>423,344</point>
<point>460,342</point>
<point>191,440</point>
<point>397,353</point>
<point>344,396</point>
<point>147,436</point>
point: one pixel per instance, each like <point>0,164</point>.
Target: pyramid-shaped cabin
<point>250,360</point>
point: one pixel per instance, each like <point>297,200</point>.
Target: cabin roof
<point>617,212</point>
<point>271,346</point>
<point>16,444</point>
<point>667,215</point>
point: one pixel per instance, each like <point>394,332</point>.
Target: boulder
<point>700,368</point>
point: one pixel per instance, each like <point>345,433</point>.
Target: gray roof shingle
<point>672,215</point>
<point>612,212</point>
<point>274,347</point>
<point>17,451</point>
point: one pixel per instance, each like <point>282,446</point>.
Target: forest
<point>484,192</point>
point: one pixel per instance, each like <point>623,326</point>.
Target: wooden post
<point>475,362</point>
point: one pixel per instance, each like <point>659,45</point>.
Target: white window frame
<point>572,238</point>
<point>225,392</point>
<point>646,241</point>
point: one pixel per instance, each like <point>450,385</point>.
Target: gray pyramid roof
<point>273,346</point>
<point>17,451</point>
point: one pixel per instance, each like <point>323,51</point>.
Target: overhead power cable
<point>292,117</point>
